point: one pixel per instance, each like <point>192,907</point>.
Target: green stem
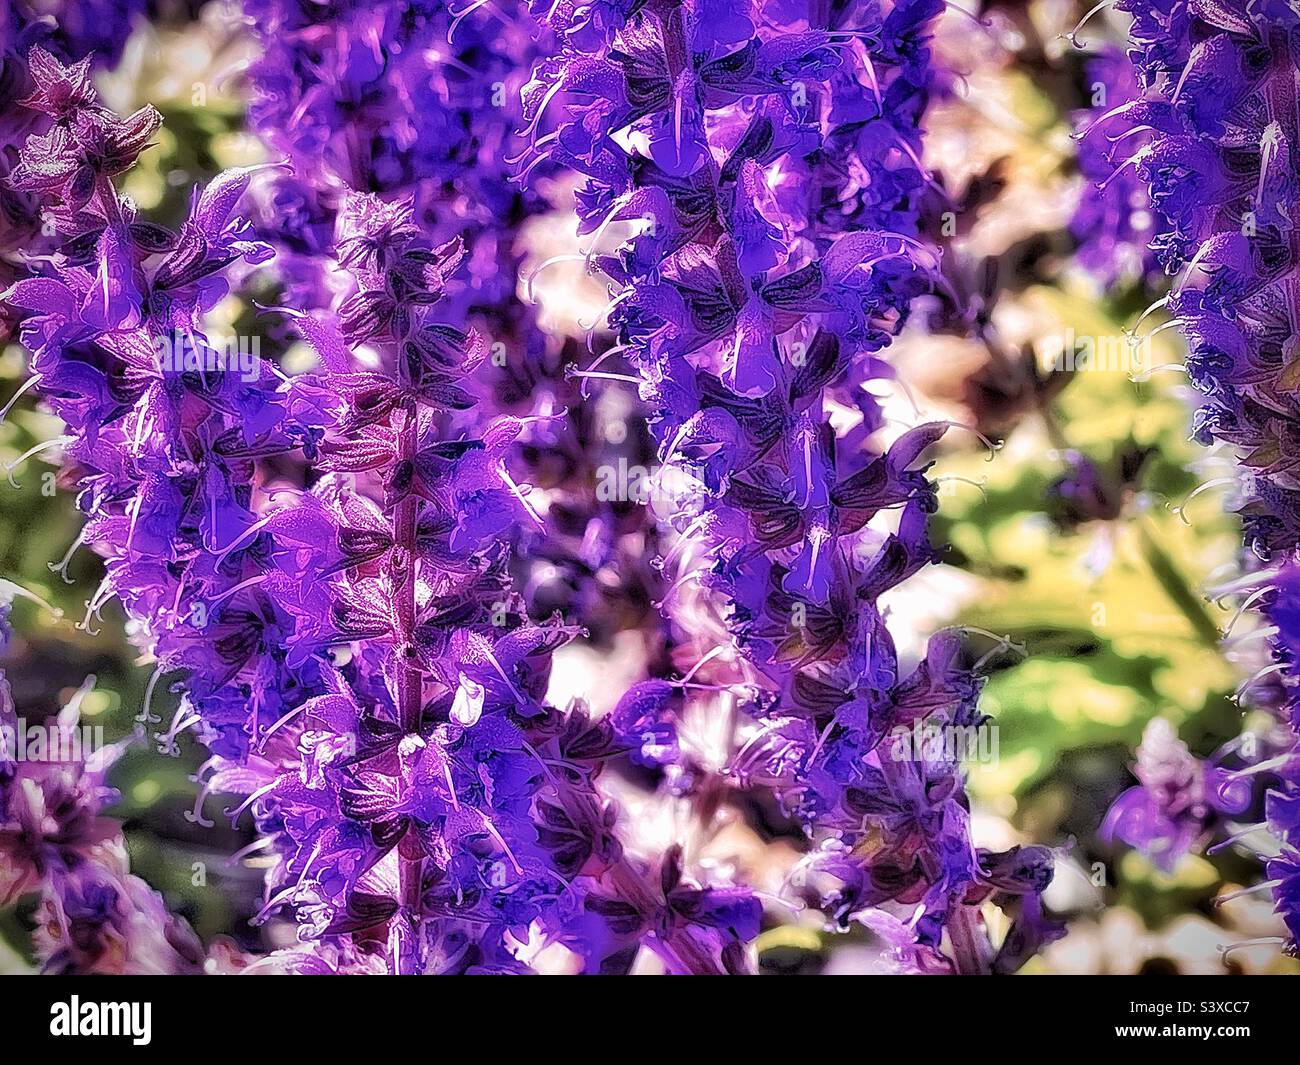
<point>1176,587</point>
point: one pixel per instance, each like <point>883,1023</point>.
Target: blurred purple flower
<point>1179,798</point>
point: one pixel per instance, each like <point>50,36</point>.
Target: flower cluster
<point>1114,222</point>
<point>409,785</point>
<point>415,100</point>
<point>89,33</point>
<point>73,29</point>
<point>1215,123</point>
<point>398,781</point>
<point>398,98</point>
<point>166,440</point>
<point>770,198</point>
<point>165,435</point>
<point>93,915</point>
<point>326,565</point>
<point>1279,597</point>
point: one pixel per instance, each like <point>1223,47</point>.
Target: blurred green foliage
<point>1111,613</point>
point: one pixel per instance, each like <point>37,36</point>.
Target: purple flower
<point>776,168</point>
<point>92,915</point>
<point>404,100</point>
<point>74,29</point>
<point>1114,222</point>
<point>693,930</point>
<point>33,97</point>
<point>1216,115</point>
<point>1178,800</point>
<point>338,570</point>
